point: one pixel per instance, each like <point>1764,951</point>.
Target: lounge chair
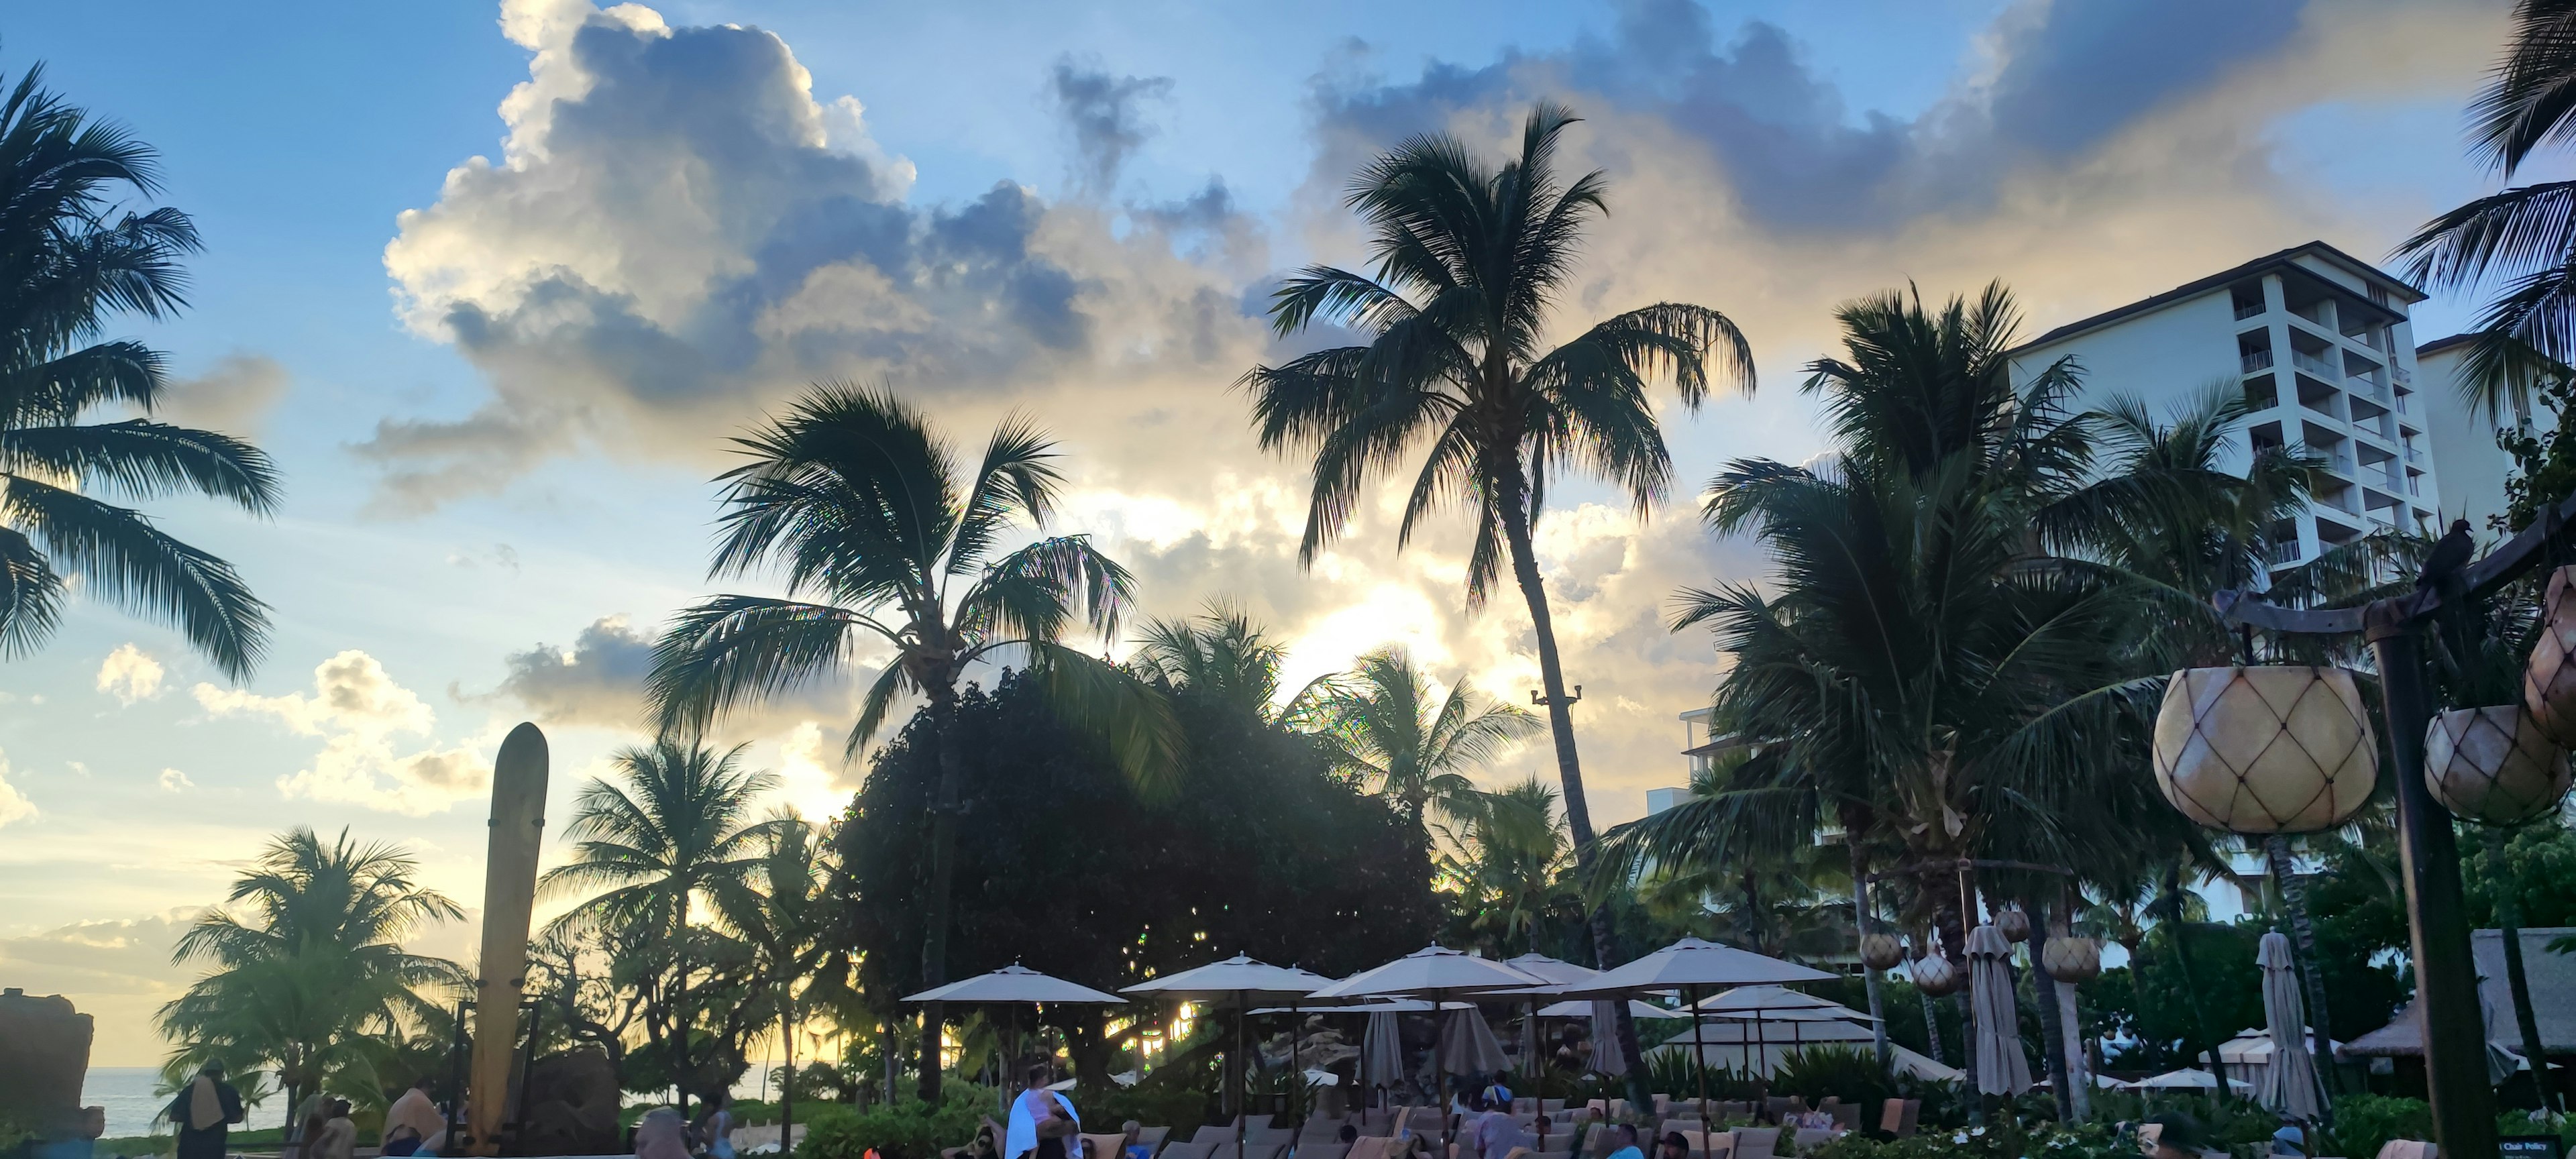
<point>1846,1115</point>
<point>1185,1150</point>
<point>1103,1146</point>
<point>1154,1137</point>
<point>1335,1150</point>
<point>1810,1138</point>
<point>1755,1142</point>
<point>1213,1134</point>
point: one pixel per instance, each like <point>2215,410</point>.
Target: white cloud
<point>14,805</point>
<point>130,674</point>
<point>358,710</point>
<point>174,781</point>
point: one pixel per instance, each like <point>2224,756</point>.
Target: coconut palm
<point>1470,259</point>
<point>71,257</point>
<point>783,912</point>
<point>651,850</point>
<point>1379,723</point>
<point>308,963</point>
<point>887,544</point>
<point>1221,653</point>
<point>1506,852</point>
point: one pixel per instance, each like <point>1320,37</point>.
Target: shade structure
<point>1587,1007</point>
<point>1014,984</point>
<point>2001,1068</point>
<point>1239,981</point>
<point>2188,1079</point>
<point>1778,1004</point>
<point>1468,1046</point>
<point>1689,967</point>
<point>2290,1083</point>
<point>1434,972</point>
<point>1558,972</point>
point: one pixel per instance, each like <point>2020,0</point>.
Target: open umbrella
<point>2191,1078</point>
<point>1434,972</point>
<point>1242,981</point>
<point>1015,986</point>
<point>1583,1008</point>
<point>2001,1067</point>
<point>1558,972</point>
<point>1691,967</point>
<point>2290,1083</point>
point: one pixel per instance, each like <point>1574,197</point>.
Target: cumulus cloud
<point>14,805</point>
<point>599,682</point>
<point>234,397</point>
<point>174,781</point>
<point>358,712</point>
<point>130,674</point>
<point>1104,112</point>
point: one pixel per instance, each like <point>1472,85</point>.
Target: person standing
<point>715,1127</point>
<point>204,1113</point>
<point>1041,1121</point>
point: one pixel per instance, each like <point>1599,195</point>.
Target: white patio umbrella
<point>1015,986</point>
<point>1434,972</point>
<point>1690,967</point>
<point>1585,1008</point>
<point>2001,1067</point>
<point>1468,1045</point>
<point>1242,981</point>
<point>2290,1083</point>
<point>1761,1006</point>
<point>1382,1046</point>
<point>2191,1078</point>
<point>1558,972</point>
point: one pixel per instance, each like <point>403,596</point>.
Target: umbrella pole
<point>1296,1070</point>
<point>1242,1067</point>
<point>1699,1053</point>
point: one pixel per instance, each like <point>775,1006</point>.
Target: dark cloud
<point>599,682</point>
<point>2088,68</point>
<point>1105,114</point>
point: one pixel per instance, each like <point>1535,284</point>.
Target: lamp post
<point>2446,979</point>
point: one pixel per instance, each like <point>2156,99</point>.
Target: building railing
<point>2314,365</point>
<point>2285,552</point>
<point>2403,376</point>
<point>2247,310</point>
<point>2413,455</point>
<point>2254,360</point>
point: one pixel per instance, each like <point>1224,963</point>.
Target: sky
<point>495,285</point>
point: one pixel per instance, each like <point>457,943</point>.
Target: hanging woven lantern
<point>1935,976</point>
<point>2493,765</point>
<point>2549,676</point>
<point>2272,749</point>
<point>2014,924</point>
<point>2072,959</point>
<point>1881,951</point>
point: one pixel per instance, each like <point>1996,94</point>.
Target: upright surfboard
<point>509,898</point>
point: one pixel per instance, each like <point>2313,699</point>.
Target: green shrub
<point>2363,1123</point>
<point>2082,1141</point>
<point>906,1130</point>
<point>1841,1071</point>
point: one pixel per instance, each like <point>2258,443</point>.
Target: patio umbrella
<point>1586,1008</point>
<point>2290,1083</point>
<point>2192,1078</point>
<point>1691,966</point>
<point>1558,972</point>
<point>1382,1051</point>
<point>1015,986</point>
<point>1468,1046</point>
<point>1434,972</point>
<point>1758,1006</point>
<point>2001,1068</point>
<point>1243,981</point>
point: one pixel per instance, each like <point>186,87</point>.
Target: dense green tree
<point>73,254</point>
<point>784,916</point>
<point>1471,259</point>
<point>886,543</point>
<point>1260,849</point>
<point>310,977</point>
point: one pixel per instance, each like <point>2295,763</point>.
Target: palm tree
<point>1378,723</point>
<point>1470,258</point>
<point>865,508</point>
<point>2525,235</point>
<point>678,831</point>
<point>309,964</point>
<point>1221,653</point>
<point>1506,853</point>
<point>70,257</point>
<point>784,913</point>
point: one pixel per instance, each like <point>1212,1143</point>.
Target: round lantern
<point>2072,959</point>
<point>2014,924</point>
<point>2549,677</point>
<point>1935,976</point>
<point>1881,951</point>
<point>2493,765</point>
<point>2272,749</point>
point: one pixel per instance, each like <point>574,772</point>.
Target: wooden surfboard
<point>509,899</point>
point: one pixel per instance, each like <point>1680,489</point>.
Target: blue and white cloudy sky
<point>493,284</point>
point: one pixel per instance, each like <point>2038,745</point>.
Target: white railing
<point>2413,455</point>
<point>2313,365</point>
<point>2248,310</point>
<point>2254,360</point>
<point>2403,376</point>
<point>2285,552</point>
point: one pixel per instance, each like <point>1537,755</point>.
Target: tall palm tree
<point>1470,259</point>
<point>1221,653</point>
<point>675,833</point>
<point>1379,723</point>
<point>885,544</point>
<point>72,256</point>
<point>308,962</point>
<point>783,911</point>
<point>1507,853</point>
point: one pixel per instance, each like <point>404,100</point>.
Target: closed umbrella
<point>1468,1045</point>
<point>1606,1059</point>
<point>1382,1051</point>
<point>2290,1083</point>
<point>2001,1067</point>
<point>1690,966</point>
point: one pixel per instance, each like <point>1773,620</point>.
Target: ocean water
<point>128,1094</point>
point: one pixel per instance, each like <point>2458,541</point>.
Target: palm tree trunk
<point>1509,495</point>
<point>2303,938</point>
<point>943,876</point>
<point>787,1077</point>
<point>1860,926</point>
<point>2043,986</point>
<point>2508,916</point>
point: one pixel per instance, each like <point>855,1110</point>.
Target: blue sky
<point>497,415</point>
